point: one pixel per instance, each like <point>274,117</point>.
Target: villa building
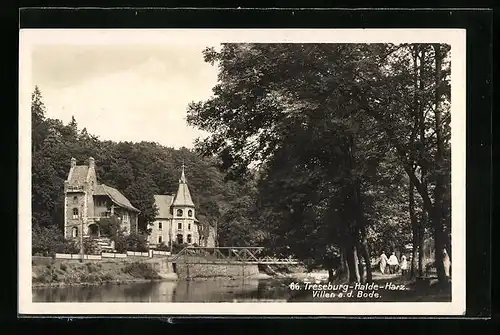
<point>176,219</point>
<point>86,202</point>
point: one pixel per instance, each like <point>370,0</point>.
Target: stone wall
<point>164,268</point>
<point>214,270</point>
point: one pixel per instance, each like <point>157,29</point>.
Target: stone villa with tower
<point>86,202</point>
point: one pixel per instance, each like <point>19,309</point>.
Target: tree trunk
<point>352,264</point>
<point>361,269</point>
<point>343,270</point>
<point>331,276</point>
<point>365,252</point>
<point>439,242</point>
<point>437,218</point>
<point>421,249</point>
<point>345,265</point>
<point>414,228</point>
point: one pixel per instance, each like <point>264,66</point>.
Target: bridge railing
<point>243,254</point>
<point>229,254</point>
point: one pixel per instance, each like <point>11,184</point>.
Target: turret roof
<point>183,196</point>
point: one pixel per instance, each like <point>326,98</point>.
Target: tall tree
<point>337,98</point>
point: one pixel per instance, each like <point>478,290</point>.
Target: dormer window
<point>190,213</point>
<point>179,212</point>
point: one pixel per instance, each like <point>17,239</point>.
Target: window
<point>159,226</point>
<point>75,199</point>
<point>190,213</point>
<point>75,213</point>
<point>179,239</point>
<point>160,239</point>
<point>179,225</point>
<point>74,232</point>
<point>125,217</point>
<point>189,239</point>
<point>189,226</point>
<point>179,212</point>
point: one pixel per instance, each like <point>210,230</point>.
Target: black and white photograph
<point>200,171</point>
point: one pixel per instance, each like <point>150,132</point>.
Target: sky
<point>125,92</point>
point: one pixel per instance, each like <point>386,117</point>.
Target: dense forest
<point>138,170</point>
<point>327,152</point>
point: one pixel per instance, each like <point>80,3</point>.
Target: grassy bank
<point>62,273</point>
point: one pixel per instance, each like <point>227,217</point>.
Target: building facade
<point>86,202</point>
<point>176,219</point>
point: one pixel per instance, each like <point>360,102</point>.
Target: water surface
<point>166,291</point>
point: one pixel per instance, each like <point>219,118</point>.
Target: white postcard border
<point>454,37</point>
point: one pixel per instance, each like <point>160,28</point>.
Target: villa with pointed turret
<point>86,202</point>
<point>176,219</point>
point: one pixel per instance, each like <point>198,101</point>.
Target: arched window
<point>75,199</point>
<point>179,239</point>
<point>190,213</point>
<point>189,239</point>
<point>74,232</point>
<point>75,213</point>
<point>179,212</point>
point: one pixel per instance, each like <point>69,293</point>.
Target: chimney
<point>73,162</point>
<point>91,162</point>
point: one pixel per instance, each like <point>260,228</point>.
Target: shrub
<point>46,241</point>
<point>141,270</point>
<point>111,227</point>
<point>136,242</point>
<point>163,247</point>
<point>107,277</point>
<point>90,246</point>
<point>92,267</point>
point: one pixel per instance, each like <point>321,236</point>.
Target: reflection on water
<point>182,291</point>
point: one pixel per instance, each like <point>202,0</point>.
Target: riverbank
<point>69,273</point>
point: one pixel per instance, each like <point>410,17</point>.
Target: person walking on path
<point>404,265</point>
<point>383,262</point>
<point>393,262</point>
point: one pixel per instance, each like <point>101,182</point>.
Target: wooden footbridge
<point>231,255</point>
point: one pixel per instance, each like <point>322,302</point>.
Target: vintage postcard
<point>230,172</point>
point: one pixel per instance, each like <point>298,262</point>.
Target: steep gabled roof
<point>78,175</point>
<point>163,202</point>
<point>115,196</point>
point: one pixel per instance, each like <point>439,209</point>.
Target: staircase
<point>105,244</point>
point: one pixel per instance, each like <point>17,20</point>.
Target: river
<point>168,291</point>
